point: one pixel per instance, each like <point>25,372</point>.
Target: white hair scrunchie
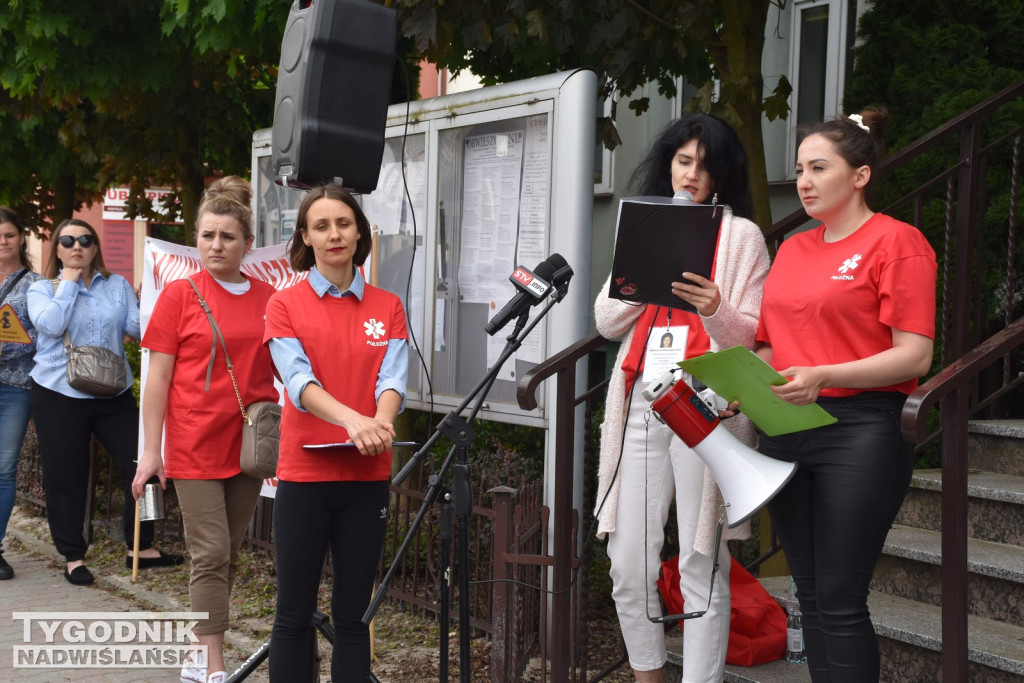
<point>859,120</point>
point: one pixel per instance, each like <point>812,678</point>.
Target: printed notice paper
<point>738,374</point>
<point>657,239</point>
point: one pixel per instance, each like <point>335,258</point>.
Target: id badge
<point>666,347</point>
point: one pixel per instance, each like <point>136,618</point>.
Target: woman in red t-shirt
<point>191,413</point>
<point>340,347</point>
<point>848,317</point>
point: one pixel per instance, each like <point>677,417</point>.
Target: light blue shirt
<point>293,364</point>
<point>100,315</point>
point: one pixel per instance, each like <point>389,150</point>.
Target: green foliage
<point>501,454</point>
<point>133,352</point>
<point>628,44</point>
<point>928,62</point>
<point>140,93</point>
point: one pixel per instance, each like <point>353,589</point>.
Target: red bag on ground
<point>757,628</point>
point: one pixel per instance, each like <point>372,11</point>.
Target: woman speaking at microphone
<point>644,466</point>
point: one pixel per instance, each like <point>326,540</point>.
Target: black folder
<point>656,240</point>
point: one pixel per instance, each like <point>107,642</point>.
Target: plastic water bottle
<point>795,652</point>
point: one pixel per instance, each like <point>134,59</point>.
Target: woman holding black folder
<point>644,466</point>
<point>849,319</point>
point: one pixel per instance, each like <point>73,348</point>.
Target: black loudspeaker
<point>333,86</point>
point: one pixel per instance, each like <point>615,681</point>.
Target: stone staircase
<point>906,590</point>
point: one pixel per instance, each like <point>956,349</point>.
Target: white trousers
<point>673,471</point>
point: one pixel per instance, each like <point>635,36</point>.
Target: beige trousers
<point>216,513</point>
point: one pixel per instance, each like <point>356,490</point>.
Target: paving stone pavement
<point>38,587</point>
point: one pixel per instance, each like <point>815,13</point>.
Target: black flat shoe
<point>80,576</point>
<point>165,560</point>
<point>6,570</point>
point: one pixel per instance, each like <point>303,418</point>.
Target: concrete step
<point>995,509</point>
<point>996,446</point>
<point>779,671</point>
<point>910,567</point>
<point>910,639</point>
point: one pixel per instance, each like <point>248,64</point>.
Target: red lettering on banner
<point>276,271</point>
<point>171,267</point>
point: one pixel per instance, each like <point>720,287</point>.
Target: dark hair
<point>229,196</point>
<point>858,147</point>
<point>54,263</point>
<point>8,216</point>
<point>723,157</point>
<point>300,255</point>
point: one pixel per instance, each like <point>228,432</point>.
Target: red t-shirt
<point>203,429</point>
<point>835,302</point>
<point>345,340</point>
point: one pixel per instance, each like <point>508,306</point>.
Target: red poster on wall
<point>119,231</point>
<point>119,248</point>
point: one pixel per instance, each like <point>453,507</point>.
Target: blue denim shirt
<point>293,364</point>
<point>100,315</point>
<point>16,360</point>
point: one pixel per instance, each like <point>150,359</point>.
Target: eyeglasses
<point>67,241</point>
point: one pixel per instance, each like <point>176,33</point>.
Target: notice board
<point>472,185</point>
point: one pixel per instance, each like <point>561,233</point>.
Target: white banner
<point>164,262</point>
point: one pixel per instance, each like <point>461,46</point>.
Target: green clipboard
<point>738,374</point>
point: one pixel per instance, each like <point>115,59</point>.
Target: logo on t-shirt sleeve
<point>847,267</point>
<point>374,328</point>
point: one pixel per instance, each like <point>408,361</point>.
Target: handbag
<point>261,421</point>
<point>94,370</point>
<point>757,624</point>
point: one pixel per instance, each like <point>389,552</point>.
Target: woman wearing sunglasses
<point>96,308</point>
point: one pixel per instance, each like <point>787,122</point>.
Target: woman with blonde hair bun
<point>190,411</point>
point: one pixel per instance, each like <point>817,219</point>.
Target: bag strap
<point>10,288</point>
<point>218,336</point>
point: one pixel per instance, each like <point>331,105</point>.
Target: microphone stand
<point>459,430</point>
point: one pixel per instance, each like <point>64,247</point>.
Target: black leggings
<point>349,517</point>
<point>833,518</point>
<point>64,425</point>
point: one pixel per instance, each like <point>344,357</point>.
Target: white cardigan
<point>740,269</point>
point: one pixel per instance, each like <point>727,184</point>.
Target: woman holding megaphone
<point>849,318</point>
<point>644,466</point>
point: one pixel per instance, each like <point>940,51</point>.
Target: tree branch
<point>654,17</point>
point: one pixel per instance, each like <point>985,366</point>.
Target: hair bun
<point>875,119</point>
<point>230,188</point>
<point>229,196</point>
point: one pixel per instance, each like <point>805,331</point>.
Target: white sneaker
<point>194,670</point>
<point>217,677</point>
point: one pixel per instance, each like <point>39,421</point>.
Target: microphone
<point>563,271</point>
<point>684,195</point>
<point>532,287</point>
